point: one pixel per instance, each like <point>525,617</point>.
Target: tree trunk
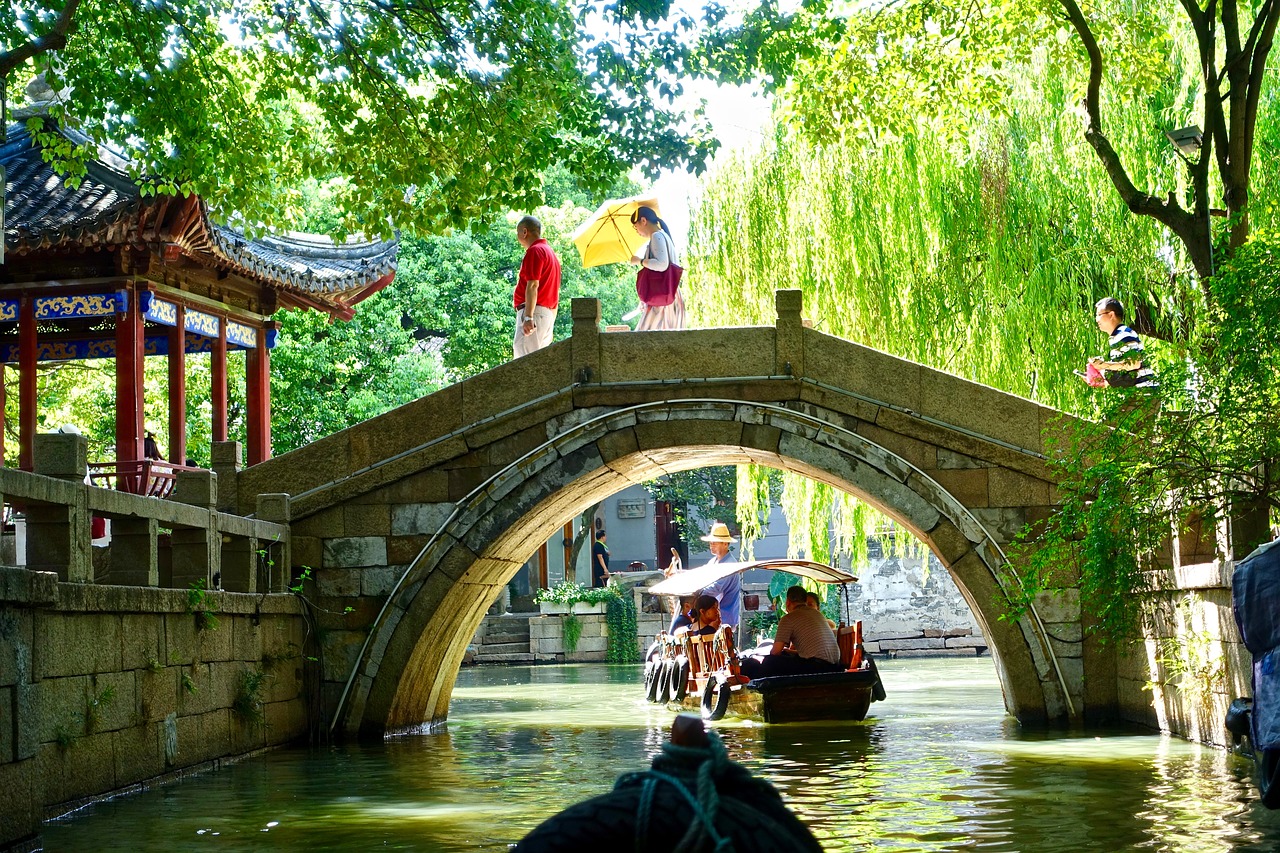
<point>584,536</point>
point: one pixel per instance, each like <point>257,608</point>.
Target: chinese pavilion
<point>100,270</point>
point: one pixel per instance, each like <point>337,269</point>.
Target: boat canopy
<point>693,580</point>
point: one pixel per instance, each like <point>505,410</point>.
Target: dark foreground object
<point>692,799</point>
<point>1255,600</point>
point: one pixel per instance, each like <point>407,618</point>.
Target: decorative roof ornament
<point>106,209</point>
<point>40,97</point>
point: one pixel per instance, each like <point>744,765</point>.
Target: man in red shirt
<point>537,287</point>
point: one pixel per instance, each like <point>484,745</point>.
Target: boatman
<point>728,590</point>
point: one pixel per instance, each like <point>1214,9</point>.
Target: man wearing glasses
<point>1127,366</point>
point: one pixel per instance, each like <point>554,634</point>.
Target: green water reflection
<point>937,768</point>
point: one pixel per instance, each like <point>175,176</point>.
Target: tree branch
<point>1268,16</point>
<point>55,39</point>
<point>1167,211</point>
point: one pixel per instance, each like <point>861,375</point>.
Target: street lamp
<point>1188,141</point>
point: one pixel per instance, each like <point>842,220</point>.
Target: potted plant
<point>569,597</point>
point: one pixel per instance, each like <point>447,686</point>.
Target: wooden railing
<point>151,477</point>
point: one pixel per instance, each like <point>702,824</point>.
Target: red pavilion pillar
<point>218,378</point>
<point>178,388</point>
<point>26,383</point>
<point>129,353</point>
<point>258,399</point>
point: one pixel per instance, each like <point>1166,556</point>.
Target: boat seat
<point>849,638</point>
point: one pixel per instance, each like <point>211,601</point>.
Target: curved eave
<point>108,210</point>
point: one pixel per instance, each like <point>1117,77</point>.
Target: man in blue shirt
<point>728,591</point>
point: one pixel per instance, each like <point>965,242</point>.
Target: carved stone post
<point>789,333</point>
<point>275,508</point>
<point>226,463</point>
<point>586,340</point>
<point>59,537</point>
<point>197,551</point>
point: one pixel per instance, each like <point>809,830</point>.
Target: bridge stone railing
<point>154,543</point>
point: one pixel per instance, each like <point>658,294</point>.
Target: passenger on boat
<point>814,645</point>
<point>706,615</point>
<point>811,601</point>
<point>685,614</point>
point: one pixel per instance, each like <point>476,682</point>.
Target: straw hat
<point>719,533</point>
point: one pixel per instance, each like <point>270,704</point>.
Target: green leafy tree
<point>327,376</point>
<point>892,70</point>
<point>709,494</point>
<point>429,114</point>
<point>1206,441</point>
<point>933,193</point>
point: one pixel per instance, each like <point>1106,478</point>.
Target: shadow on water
<point>938,767</point>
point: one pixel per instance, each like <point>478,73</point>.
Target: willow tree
<point>932,193</point>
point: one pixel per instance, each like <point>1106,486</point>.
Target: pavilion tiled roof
<point>42,213</point>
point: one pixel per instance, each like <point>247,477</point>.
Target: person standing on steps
<point>600,561</point>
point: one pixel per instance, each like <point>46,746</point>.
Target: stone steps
<point>503,640</point>
<point>514,657</point>
<point>492,639</point>
<point>489,649</point>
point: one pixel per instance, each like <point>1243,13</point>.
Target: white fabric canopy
<point>689,582</point>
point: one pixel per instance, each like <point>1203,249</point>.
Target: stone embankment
<point>106,688</point>
<point>930,642</point>
<point>528,638</point>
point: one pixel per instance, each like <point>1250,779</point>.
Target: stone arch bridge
<point>416,519</point>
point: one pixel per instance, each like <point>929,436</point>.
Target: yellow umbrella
<point>608,237</point>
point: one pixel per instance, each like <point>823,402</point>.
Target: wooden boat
<point>702,671</point>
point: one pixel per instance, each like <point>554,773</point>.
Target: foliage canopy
<point>430,114</point>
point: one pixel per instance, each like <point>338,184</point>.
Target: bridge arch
<point>408,665</point>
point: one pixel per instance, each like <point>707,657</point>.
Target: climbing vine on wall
<point>620,616</point>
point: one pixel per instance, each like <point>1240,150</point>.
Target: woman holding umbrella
<point>657,255</point>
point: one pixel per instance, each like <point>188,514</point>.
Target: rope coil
<point>712,763</point>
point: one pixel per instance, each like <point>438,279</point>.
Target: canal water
<point>937,767</point>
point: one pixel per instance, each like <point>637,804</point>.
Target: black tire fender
<point>660,679</point>
<point>654,652</point>
<point>670,672</point>
<point>715,699</point>
<point>652,672</point>
<point>682,678</point>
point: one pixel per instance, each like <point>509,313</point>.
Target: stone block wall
<point>103,688</point>
<point>1180,675</point>
<point>546,639</point>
